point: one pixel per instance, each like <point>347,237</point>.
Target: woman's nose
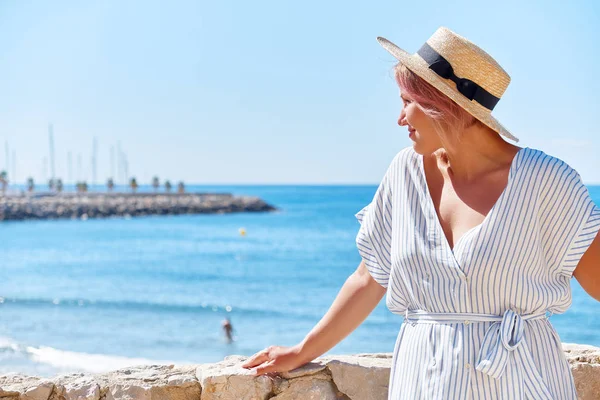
<point>402,119</point>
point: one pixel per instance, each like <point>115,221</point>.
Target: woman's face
<point>420,127</point>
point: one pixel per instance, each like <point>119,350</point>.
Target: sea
<point>102,294</point>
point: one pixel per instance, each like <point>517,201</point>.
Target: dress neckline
<point>433,212</point>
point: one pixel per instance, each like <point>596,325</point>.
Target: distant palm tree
<point>133,185</point>
<point>59,185</point>
<point>180,187</point>
<point>168,186</point>
<point>51,184</point>
<point>30,185</point>
<point>110,184</point>
<point>3,181</point>
<point>155,183</point>
<point>82,187</point>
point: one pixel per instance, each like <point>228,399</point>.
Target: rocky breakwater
<point>102,205</point>
<point>353,377</point>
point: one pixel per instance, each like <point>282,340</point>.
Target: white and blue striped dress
<point>476,323</point>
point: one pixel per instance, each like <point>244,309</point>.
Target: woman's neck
<point>476,152</point>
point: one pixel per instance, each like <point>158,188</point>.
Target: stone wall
<point>356,377</point>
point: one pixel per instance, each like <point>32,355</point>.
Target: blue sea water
<point>97,295</point>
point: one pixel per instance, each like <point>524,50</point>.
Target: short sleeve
<point>374,239</point>
<point>572,219</point>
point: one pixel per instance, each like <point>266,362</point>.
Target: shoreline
<point>48,206</point>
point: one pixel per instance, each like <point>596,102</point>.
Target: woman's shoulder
<point>406,157</point>
<point>549,176</point>
<point>544,166</point>
<point>394,176</point>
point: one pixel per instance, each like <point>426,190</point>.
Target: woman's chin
<point>417,148</point>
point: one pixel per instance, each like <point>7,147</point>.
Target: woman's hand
<point>275,359</point>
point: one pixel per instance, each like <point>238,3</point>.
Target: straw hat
<point>461,70</point>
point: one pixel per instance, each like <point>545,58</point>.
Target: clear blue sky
<point>274,91</point>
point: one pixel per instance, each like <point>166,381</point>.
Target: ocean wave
<point>70,361</point>
<point>167,308</point>
<point>127,305</point>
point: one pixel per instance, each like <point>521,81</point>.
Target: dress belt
<point>503,339</point>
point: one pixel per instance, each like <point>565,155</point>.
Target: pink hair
<point>446,114</point>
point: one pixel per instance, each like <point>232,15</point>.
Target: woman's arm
<point>356,300</point>
<point>353,304</point>
<point>588,269</point>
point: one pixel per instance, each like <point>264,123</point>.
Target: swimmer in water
<point>228,329</point>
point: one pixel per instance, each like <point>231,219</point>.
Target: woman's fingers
<point>273,359</point>
<point>265,368</point>
<point>257,359</point>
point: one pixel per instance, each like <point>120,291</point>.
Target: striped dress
<point>476,316</point>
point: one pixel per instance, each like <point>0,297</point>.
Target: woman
<point>473,239</point>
